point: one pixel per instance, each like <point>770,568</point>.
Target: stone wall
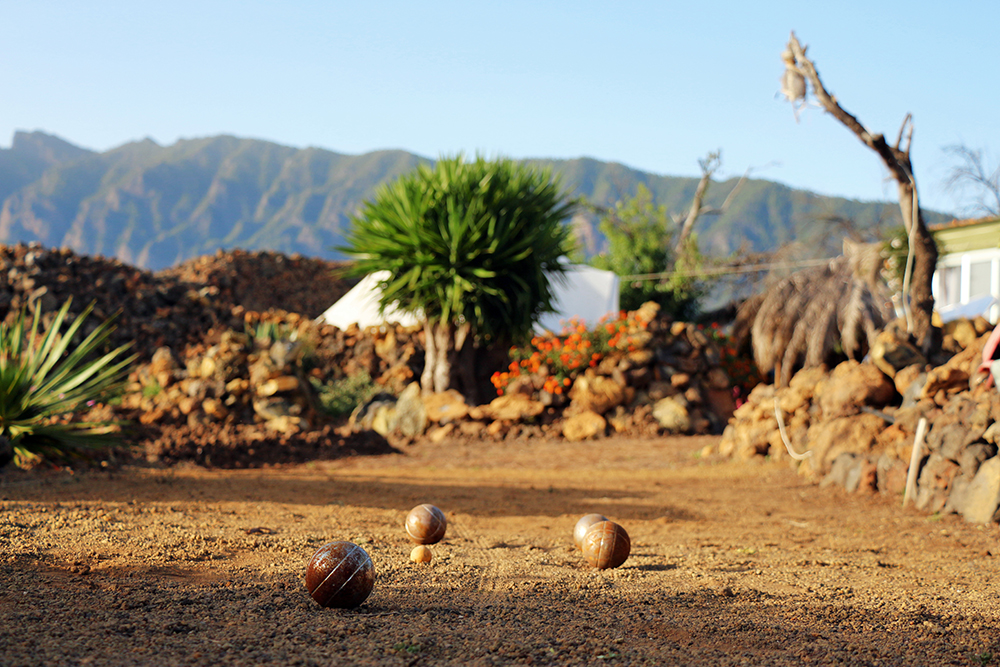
<point>857,426</point>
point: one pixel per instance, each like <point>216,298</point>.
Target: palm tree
<point>470,247</point>
<point>805,319</point>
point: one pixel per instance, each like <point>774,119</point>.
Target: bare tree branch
<point>971,173</point>
<point>896,158</point>
<point>709,165</point>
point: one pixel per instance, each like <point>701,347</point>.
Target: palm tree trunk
<point>444,343</point>
<point>430,358</point>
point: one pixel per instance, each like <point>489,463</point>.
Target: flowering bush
<point>555,361</point>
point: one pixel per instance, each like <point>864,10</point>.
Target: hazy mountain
<point>154,206</point>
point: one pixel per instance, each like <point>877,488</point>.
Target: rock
<point>287,424</point>
<point>863,478</point>
<point>983,495</point>
<point>827,440</point>
<point>934,483</point>
<point>891,475</point>
<point>163,366</point>
<point>515,408</point>
<point>911,395</point>
<point>840,469</point>
<point>214,408</point>
<point>595,393</point>
<point>659,389</point>
<point>973,456</point>
<point>718,379</point>
<point>446,406</point>
<point>439,434</point>
<point>948,439</point>
<point>963,332</point>
<point>680,380</point>
<point>411,416</point>
<point>363,416</point>
<point>471,428</point>
<point>905,378</point>
<point>891,355</point>
<point>958,495</point>
<point>721,403</point>
<point>944,378</point>
<point>583,425</point>
<point>852,385</point>
<point>277,385</point>
<point>383,419</point>
<point>672,415</point>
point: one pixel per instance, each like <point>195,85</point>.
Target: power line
<point>727,270</point>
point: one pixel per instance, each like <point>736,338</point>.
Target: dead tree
<point>917,298</point>
<point>709,165</point>
<point>972,174</point>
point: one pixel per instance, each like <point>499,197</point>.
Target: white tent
<point>584,292</point>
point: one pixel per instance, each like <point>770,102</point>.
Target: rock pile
<point>263,280</point>
<point>210,389</point>
<point>151,312</point>
<point>172,308</point>
<point>259,384</point>
<point>667,377</point>
<point>857,427</point>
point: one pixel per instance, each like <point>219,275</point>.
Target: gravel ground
<point>732,564</point>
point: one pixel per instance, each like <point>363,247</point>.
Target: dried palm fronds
<point>805,319</point>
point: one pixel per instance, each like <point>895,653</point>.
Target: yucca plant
<point>469,246</point>
<point>45,379</point>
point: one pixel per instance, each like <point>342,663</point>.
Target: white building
<point>967,280</point>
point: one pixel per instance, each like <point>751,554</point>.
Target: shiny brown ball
<point>583,525</point>
<point>606,545</point>
<point>426,524</point>
<point>340,574</point>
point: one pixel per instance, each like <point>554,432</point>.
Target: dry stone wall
<point>857,426</point>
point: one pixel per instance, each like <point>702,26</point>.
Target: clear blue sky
<point>653,85</point>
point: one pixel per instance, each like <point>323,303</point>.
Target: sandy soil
<point>731,564</point>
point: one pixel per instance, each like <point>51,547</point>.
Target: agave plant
<point>45,379</point>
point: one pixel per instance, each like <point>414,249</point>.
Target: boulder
<point>891,355</point>
<point>446,406</point>
<point>411,416</point>
<point>672,415</point>
<point>595,393</point>
<point>852,385</point>
<point>583,425</point>
<point>514,408</point>
<point>944,378</point>
<point>983,494</point>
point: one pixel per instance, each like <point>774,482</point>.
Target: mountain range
<point>155,206</point>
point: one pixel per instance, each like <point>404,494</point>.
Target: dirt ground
<point>731,564</point>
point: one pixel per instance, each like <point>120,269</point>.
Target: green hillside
<point>155,206</point>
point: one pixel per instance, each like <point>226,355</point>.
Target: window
<point>969,277</point>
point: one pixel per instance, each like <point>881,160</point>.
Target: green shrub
<point>46,379</point>
<point>339,397</point>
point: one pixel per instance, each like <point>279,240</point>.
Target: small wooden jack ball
<point>426,524</point>
<point>583,525</point>
<point>606,545</point>
<point>421,554</point>
<point>340,574</point>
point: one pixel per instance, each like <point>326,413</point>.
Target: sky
<point>652,85</point>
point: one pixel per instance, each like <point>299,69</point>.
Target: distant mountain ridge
<point>155,206</point>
